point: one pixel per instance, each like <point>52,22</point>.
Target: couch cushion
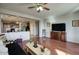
<point>15,49</point>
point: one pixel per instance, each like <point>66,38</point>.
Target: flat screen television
<point>59,27</point>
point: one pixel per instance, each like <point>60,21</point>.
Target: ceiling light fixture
<point>17,22</point>
<point>40,8</point>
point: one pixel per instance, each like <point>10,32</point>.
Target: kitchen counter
<point>25,35</point>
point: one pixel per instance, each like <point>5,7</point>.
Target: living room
<point>53,28</point>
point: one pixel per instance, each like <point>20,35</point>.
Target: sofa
<point>3,48</point>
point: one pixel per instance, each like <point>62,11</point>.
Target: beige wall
<point>33,28</point>
<point>72,33</point>
<point>0,23</point>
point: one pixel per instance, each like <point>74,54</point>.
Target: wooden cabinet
<point>63,36</point>
<point>54,35</point>
<point>58,35</point>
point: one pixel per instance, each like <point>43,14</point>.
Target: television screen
<point>58,27</point>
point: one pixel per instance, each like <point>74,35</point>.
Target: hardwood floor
<point>59,48</point>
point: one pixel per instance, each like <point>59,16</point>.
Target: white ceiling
<point>10,18</point>
<point>56,9</point>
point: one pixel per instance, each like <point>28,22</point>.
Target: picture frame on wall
<point>75,23</point>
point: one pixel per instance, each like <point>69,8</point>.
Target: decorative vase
<point>42,49</point>
<point>35,44</point>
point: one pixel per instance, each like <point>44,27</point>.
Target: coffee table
<point>36,51</point>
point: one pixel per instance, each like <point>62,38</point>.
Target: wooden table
<point>36,51</point>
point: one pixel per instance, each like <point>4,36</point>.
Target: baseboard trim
<point>72,42</point>
<point>61,41</point>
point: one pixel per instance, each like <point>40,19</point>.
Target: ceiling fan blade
<point>31,7</point>
<point>46,8</point>
<point>44,3</point>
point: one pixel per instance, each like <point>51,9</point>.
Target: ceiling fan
<point>39,7</point>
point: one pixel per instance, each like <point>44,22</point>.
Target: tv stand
<point>58,35</point>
